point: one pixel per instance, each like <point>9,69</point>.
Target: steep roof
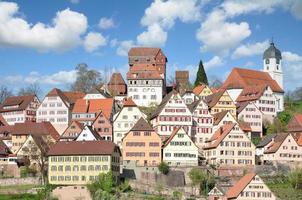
<point>251,93</point>
<point>31,128</point>
<point>246,127</point>
<point>142,125</point>
<point>266,140</point>
<point>219,116</point>
<point>143,51</point>
<point>234,191</point>
<point>93,132</point>
<point>69,97</point>
<point>73,123</point>
<point>4,150</point>
<point>99,147</point>
<point>163,103</point>
<point>212,99</point>
<point>116,79</point>
<point>17,102</point>
<point>295,124</point>
<point>198,89</point>
<point>240,78</point>
<point>278,140</point>
<point>3,121</point>
<point>299,141</point>
<point>219,135</point>
<point>94,106</point>
<point>272,52</point>
<point>240,106</point>
<point>170,138</point>
<point>128,102</point>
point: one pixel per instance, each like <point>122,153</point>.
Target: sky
<point>43,41</point>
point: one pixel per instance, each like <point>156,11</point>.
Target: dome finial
<point>272,41</point>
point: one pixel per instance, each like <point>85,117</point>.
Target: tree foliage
<point>4,93</point>
<point>201,179</point>
<point>87,79</point>
<point>295,178</point>
<point>201,76</point>
<point>164,168</point>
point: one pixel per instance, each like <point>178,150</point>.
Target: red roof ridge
<point>234,191</point>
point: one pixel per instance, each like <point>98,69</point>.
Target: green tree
<point>103,186</point>
<point>295,178</point>
<point>201,76</point>
<point>177,195</point>
<point>201,179</point>
<point>164,168</point>
<point>87,79</point>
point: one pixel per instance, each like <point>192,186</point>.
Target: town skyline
<point>97,40</point>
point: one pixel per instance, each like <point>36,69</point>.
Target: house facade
<point>117,86</point>
<point>202,128</point>
<point>88,134</point>
<point>72,131</point>
<point>19,109</point>
<point>56,108</point>
<point>180,150</point>
<point>171,114</point>
<point>249,113</point>
<point>125,119</point>
<point>142,145</point>
<point>230,146</point>
<point>103,126</point>
<point>223,118</point>
<point>202,91</point>
<point>80,163</point>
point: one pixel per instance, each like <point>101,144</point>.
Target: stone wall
<point>20,181</point>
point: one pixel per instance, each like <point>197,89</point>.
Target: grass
<point>18,197</point>
<point>16,189</point>
<point>285,191</point>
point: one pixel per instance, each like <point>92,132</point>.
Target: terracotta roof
<point>245,126</point>
<point>234,191</point>
<point>4,150</point>
<point>219,116</point>
<point>169,139</point>
<point>144,75</point>
<point>31,128</point>
<point>5,132</point>
<point>278,140</point>
<point>69,97</point>
<point>240,106</point>
<point>142,125</point>
<point>99,147</point>
<point>73,123</point>
<point>116,79</point>
<point>219,135</point>
<point>295,124</point>
<point>94,106</point>
<point>163,103</point>
<point>128,102</point>
<point>299,141</point>
<point>212,99</point>
<point>22,102</point>
<point>251,93</point>
<point>143,51</point>
<point>3,121</point>
<point>193,105</point>
<point>240,78</point>
<point>141,67</point>
<point>198,89</point>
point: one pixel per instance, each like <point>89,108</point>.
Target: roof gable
<point>143,51</point>
<point>142,125</point>
<point>17,103</point>
<point>234,191</point>
<point>75,125</point>
<point>179,130</point>
<point>91,134</point>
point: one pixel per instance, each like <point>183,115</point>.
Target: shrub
<point>164,168</point>
<point>295,178</point>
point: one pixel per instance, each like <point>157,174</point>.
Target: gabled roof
<point>143,51</point>
<point>295,124</point>
<point>67,97</point>
<point>219,135</point>
<point>170,138</point>
<point>18,103</point>
<point>142,125</point>
<point>219,116</point>
<point>4,150</point>
<point>240,78</point>
<point>31,128</point>
<point>251,93</point>
<point>163,103</point>
<point>116,79</point>
<point>212,99</point>
<point>94,106</point>
<point>266,140</point>
<point>199,88</point>
<point>128,102</point>
<point>246,127</point>
<point>234,191</point>
<point>278,140</point>
<point>93,132</point>
<point>73,123</point>
<point>240,106</point>
<point>299,141</point>
<point>99,147</point>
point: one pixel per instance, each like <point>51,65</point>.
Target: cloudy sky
<point>42,41</point>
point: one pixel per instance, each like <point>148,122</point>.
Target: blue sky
<point>42,41</point>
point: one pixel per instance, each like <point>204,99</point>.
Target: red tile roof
<point>234,191</point>
<point>128,102</point>
<point>143,51</point>
<point>212,99</point>
<point>69,97</point>
<point>295,124</point>
<point>169,139</point>
<point>3,121</point>
<point>299,141</point>
<point>219,116</point>
<point>142,125</point>
<point>116,79</point>
<point>100,147</point>
<point>19,103</point>
<point>245,126</point>
<point>94,106</point>
<point>198,89</point>
<point>144,75</point>
<point>278,140</point>
<point>240,78</point>
<point>251,93</point>
<point>219,135</point>
<point>66,133</point>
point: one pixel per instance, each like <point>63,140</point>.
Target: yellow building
<point>142,145</point>
<point>202,91</point>
<point>221,101</point>
<point>81,162</point>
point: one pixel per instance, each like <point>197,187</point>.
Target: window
<point>67,168</point>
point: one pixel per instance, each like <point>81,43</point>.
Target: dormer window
<point>267,61</point>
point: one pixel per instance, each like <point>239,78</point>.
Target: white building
<point>125,119</point>
<point>56,108</point>
<point>171,114</point>
<point>180,150</point>
<point>202,128</point>
<point>222,118</point>
<point>19,109</point>
<point>189,97</point>
<point>88,134</point>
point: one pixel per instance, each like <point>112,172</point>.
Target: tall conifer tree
<point>201,76</point>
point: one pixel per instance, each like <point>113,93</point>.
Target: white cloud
<point>219,36</point>
<point>93,41</point>
<point>214,62</point>
<point>124,47</point>
<point>250,49</point>
<point>106,23</point>
<point>291,57</point>
<point>113,42</point>
<point>13,78</point>
<point>64,33</point>
<point>154,36</point>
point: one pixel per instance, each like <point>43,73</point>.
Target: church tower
<point>272,63</point>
